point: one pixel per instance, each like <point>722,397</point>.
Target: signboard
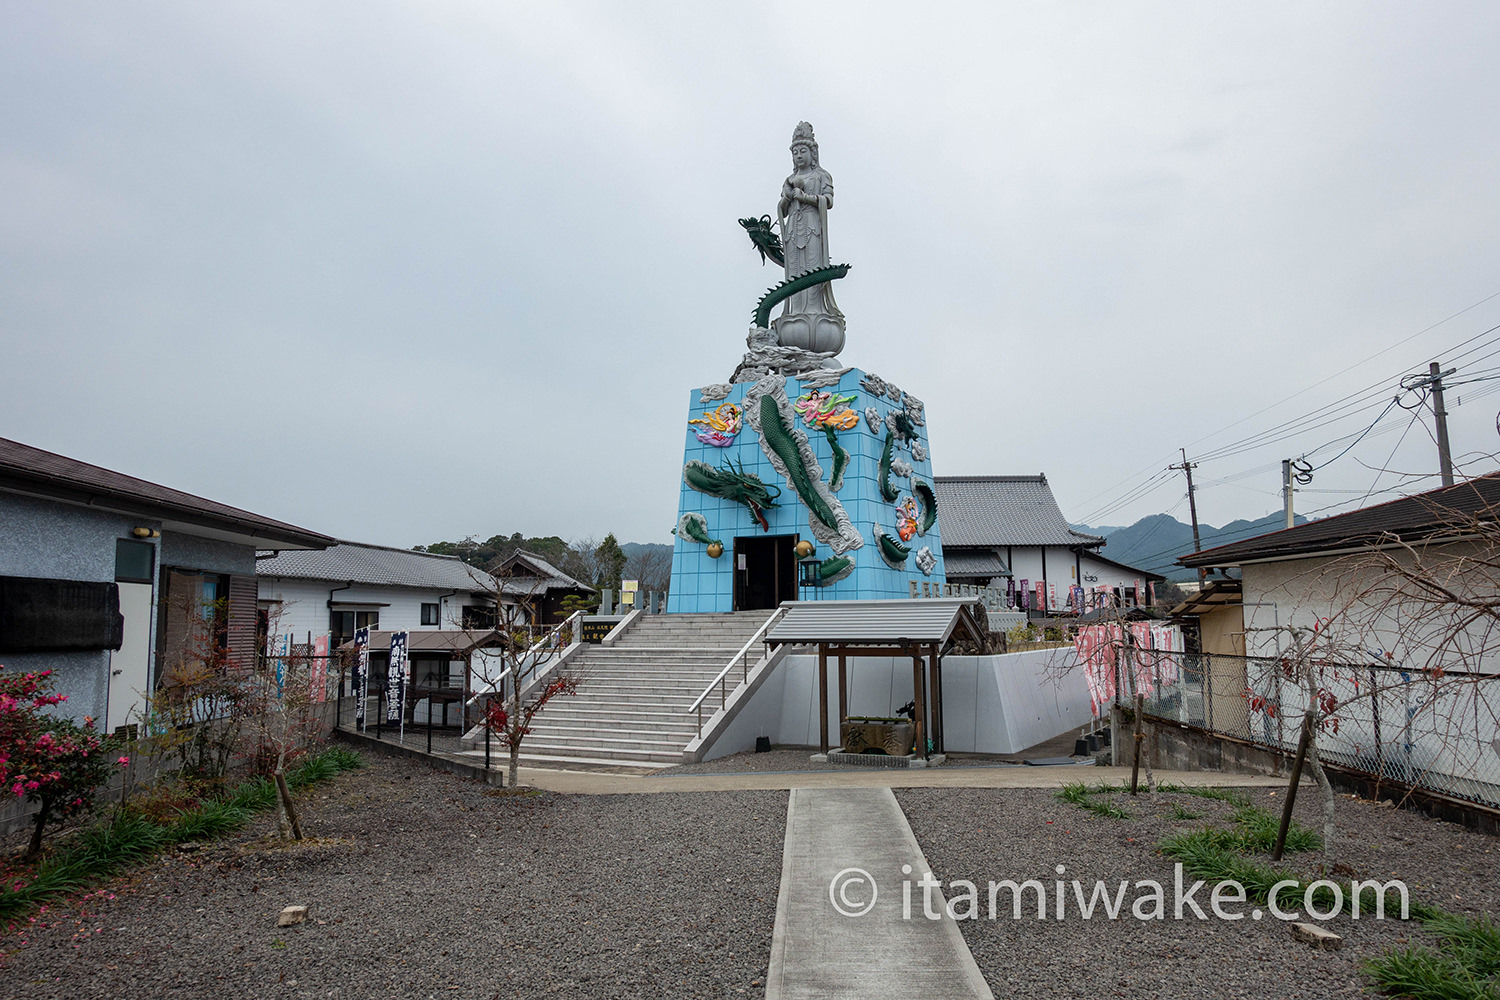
<point>361,679</point>
<point>395,680</point>
<point>595,629</point>
<point>628,590</point>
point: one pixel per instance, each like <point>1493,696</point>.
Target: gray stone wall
<point>82,676</point>
<point>58,541</point>
<point>206,554</point>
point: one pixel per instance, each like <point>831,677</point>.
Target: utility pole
<point>1188,467</point>
<point>1286,489</point>
<point>1445,459</point>
<point>1293,470</point>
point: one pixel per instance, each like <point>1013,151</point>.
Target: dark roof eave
<point>1442,513</point>
<point>274,533</point>
<point>1208,559</point>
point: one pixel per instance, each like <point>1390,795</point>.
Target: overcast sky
<point>407,272</point>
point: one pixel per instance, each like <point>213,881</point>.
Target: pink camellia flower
<point>123,761</point>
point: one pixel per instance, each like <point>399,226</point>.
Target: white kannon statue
<point>811,319</point>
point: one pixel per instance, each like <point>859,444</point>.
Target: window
<point>192,622</point>
<point>434,672</point>
<point>341,624</point>
<point>429,614</point>
<point>478,616</point>
<point>134,561</point>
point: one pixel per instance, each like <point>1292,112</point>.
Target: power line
<point>1349,405</point>
<point>1364,361</point>
<point>1358,439</point>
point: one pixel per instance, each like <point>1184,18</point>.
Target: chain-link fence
<point>1440,733</point>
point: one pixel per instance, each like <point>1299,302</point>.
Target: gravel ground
<point>980,835</point>
<point>422,884</point>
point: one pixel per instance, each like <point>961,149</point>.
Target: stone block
<point>1316,936</point>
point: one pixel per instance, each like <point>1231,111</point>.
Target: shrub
<point>53,762</point>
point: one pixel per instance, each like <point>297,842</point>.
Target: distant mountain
<point>1156,542</point>
<point>631,549</point>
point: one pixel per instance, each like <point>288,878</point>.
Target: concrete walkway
<point>844,925</point>
<point>592,783</point>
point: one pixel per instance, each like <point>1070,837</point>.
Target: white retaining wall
<point>993,704</point>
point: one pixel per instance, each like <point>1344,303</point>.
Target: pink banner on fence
<point>320,668</point>
<point>1098,649</point>
<point>1144,659</point>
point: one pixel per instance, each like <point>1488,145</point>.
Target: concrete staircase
<point>631,709</point>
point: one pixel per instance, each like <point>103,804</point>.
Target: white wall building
<point>1001,530</point>
<point>350,585</point>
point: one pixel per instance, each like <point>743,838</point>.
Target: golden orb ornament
<point>804,549</point>
<point>715,550</point>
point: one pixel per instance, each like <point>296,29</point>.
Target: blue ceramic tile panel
<point>700,583</point>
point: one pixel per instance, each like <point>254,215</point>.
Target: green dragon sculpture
<point>735,484</point>
<point>792,286</point>
<point>694,527</point>
<point>765,239</point>
<point>928,502</point>
<point>775,434</point>
<point>831,571</point>
<point>892,550</point>
<point>887,489</point>
<point>840,458</point>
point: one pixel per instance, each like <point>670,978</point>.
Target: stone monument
<point>797,463</point>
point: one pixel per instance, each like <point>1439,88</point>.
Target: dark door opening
<point>765,571</point>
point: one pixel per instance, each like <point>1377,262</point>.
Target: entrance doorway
<point>765,571</point>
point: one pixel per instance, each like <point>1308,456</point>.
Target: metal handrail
<point>556,630</point>
<point>535,647</point>
<point>697,706</point>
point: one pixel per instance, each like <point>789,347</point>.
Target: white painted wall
<point>993,704</point>
<point>1343,598</point>
<point>1103,574</point>
<point>1026,564</point>
<point>304,604</point>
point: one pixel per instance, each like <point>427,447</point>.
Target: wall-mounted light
<point>145,532</point>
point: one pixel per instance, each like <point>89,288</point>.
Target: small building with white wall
<point>1008,532</point>
<point>350,585</point>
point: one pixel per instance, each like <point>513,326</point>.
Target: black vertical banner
<point>361,673</point>
<point>395,681</point>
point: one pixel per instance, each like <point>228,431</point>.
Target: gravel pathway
<point>422,884</point>
<point>1019,834</point>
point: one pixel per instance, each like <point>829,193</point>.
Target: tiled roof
<point>1002,510</point>
<point>378,565</point>
<point>552,578</point>
<point>973,562</point>
<point>1436,512</point>
<point>34,472</point>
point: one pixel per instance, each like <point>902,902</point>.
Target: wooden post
<point>919,696</point>
<point>1291,791</point>
<point>1140,737</point>
<point>286,802</point>
<point>823,695</point>
<point>843,688</point>
<point>934,669</point>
